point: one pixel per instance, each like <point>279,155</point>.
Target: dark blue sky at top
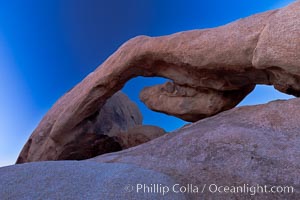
<point>46,47</point>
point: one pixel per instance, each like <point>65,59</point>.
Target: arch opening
<point>263,94</point>
<point>133,88</point>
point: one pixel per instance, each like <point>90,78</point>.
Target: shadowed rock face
<point>116,126</point>
<point>100,134</point>
<point>138,135</point>
<point>211,70</point>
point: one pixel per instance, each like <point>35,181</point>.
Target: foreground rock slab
<point>253,145</point>
<point>79,180</point>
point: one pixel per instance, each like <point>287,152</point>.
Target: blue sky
<point>46,47</point>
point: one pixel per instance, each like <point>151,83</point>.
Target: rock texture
<point>246,145</point>
<point>79,180</point>
<point>99,134</point>
<point>219,66</point>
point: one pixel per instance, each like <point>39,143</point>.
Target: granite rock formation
<point>212,69</point>
<point>246,145</point>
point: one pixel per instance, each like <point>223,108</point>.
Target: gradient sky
<point>46,47</point>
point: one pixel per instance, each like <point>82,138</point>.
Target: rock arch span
<point>211,70</point>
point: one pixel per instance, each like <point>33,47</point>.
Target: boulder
<point>190,104</point>
<point>99,134</point>
<point>80,180</point>
<point>246,146</point>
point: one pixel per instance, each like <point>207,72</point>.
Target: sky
<point>46,47</point>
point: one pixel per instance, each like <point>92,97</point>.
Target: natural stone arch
<point>220,65</point>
